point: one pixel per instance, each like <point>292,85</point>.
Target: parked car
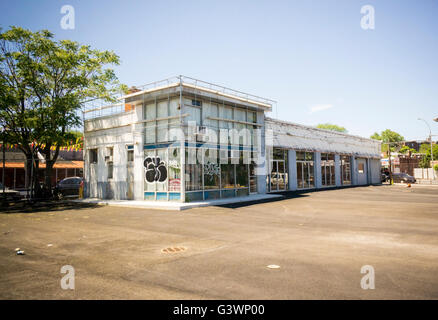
<point>11,195</point>
<point>403,178</point>
<point>68,187</point>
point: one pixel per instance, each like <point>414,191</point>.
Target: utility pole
<point>431,147</point>
<point>390,163</point>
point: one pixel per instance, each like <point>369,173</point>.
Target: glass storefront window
<point>305,175</point>
<point>161,169</point>
<point>305,170</point>
<point>211,170</point>
<point>281,175</point>
<point>345,170</point>
<point>155,170</point>
<point>311,174</point>
<point>242,173</point>
<point>174,168</point>
<point>227,176</point>
<point>279,170</point>
<point>328,169</point>
<point>300,179</point>
<point>149,178</point>
<point>193,176</point>
<point>252,177</point>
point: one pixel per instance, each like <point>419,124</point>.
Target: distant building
<point>407,163</point>
<point>416,144</point>
<point>69,164</point>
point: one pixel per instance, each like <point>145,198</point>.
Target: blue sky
<point>312,57</point>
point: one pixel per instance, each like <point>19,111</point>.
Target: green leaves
<point>332,127</point>
<point>43,84</point>
<point>388,136</point>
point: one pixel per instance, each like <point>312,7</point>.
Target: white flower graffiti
<point>211,169</point>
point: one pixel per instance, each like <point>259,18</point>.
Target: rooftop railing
<point>99,108</point>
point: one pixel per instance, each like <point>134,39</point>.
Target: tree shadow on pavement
<point>44,206</point>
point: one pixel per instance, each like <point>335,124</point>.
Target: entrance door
<point>281,175</point>
<point>362,174</point>
<point>130,176</point>
<point>252,178</point>
<point>278,176</point>
<point>274,184</point>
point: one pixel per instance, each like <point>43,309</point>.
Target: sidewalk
<point>169,205</point>
<point>415,185</point>
<point>427,182</point>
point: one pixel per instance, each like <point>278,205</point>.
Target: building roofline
<point>202,86</point>
<point>322,130</point>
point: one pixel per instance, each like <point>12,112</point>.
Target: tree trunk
<point>28,170</point>
<point>50,162</point>
<point>36,179</point>
<point>48,174</point>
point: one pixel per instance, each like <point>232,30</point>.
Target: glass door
<point>273,186</point>
<point>252,178</point>
<point>281,175</point>
<point>278,176</point>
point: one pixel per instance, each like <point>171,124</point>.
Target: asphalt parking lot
<point>320,240</point>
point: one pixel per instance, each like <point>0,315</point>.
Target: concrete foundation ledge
<point>168,205</point>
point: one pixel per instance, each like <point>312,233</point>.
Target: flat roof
<point>99,106</point>
<point>204,86</point>
<point>319,129</point>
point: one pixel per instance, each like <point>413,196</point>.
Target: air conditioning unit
<point>201,130</point>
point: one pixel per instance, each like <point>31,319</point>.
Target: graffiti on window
<point>155,170</point>
<point>211,169</point>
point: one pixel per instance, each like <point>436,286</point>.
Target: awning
<point>58,165</point>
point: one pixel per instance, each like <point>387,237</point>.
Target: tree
<point>76,134</point>
<point>388,136</point>
<point>44,83</point>
<point>406,149</point>
<point>425,148</point>
<point>332,127</point>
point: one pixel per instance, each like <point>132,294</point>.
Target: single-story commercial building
<point>68,164</point>
<point>185,140</point>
